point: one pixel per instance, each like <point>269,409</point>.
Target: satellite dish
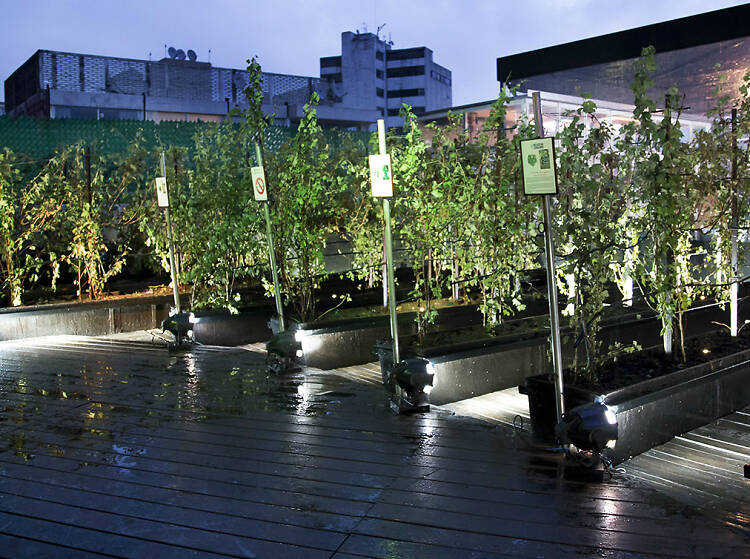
<point>180,54</point>
<point>191,55</point>
<point>172,52</point>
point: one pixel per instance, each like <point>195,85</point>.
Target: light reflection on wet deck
<point>120,447</point>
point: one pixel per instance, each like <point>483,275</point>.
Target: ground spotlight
<point>591,427</point>
<point>416,377</point>
<point>283,350</point>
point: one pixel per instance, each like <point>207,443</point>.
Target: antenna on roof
<point>172,52</point>
<point>390,41</point>
<point>364,27</point>
<point>209,56</point>
<point>165,50</point>
<point>180,54</point>
<point>377,33</point>
<point>191,55</point>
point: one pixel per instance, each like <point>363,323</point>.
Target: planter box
<point>225,329</point>
<point>651,412</point>
<point>342,343</point>
<point>475,368</point>
<point>96,318</point>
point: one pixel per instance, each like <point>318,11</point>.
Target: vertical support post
<point>172,266</point>
<point>549,251</point>
<point>89,197</point>
<point>389,254</point>
<point>734,288</point>
<point>271,253</point>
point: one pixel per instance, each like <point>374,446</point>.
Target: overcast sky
<point>289,36</point>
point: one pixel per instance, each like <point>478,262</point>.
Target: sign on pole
<point>538,166</point>
<point>162,196</point>
<point>381,176</point>
<point>259,184</point>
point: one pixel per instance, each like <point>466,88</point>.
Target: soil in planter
<point>380,310</point>
<point>643,365</point>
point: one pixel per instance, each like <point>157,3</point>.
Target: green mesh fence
<point>39,138</point>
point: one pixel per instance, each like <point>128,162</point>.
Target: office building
<point>353,87</point>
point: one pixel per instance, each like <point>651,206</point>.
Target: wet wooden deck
<point>119,448</point>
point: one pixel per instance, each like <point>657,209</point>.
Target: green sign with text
<point>538,165</point>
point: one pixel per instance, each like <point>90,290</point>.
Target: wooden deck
<point>119,448</point>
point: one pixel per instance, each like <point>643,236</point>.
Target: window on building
<point>381,110</point>
<point>379,92</point>
<point>379,54</point>
<point>416,92</point>
<point>76,112</point>
<point>440,77</point>
<point>406,71</point>
<point>406,54</point>
<point>393,112</point>
<point>120,114</point>
<point>333,77</point>
<point>330,62</point>
<point>379,74</point>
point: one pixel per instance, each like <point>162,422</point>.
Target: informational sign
<point>260,189</point>
<point>381,176</point>
<point>162,196</point>
<point>538,165</point>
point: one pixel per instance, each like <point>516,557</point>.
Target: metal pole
<point>389,254</point>
<point>271,254</point>
<point>735,223</point>
<point>549,250</point>
<point>173,268</point>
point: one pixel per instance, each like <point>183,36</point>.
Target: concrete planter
<point>651,412</point>
<point>222,328</point>
<point>342,343</point>
<point>95,318</point>
<point>475,368</point>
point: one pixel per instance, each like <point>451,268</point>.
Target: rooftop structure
<point>353,87</point>
<point>692,53</point>
<point>369,72</point>
<point>556,110</point>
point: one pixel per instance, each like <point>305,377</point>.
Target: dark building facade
<point>692,53</point>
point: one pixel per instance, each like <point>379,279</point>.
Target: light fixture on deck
<point>591,427</point>
<point>416,376</point>
<point>283,350</point>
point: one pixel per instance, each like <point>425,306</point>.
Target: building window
<point>330,62</point>
<point>379,54</point>
<point>406,92</point>
<point>333,77</point>
<point>379,74</point>
<point>381,110</point>
<point>87,113</point>
<point>415,110</point>
<point>440,77</point>
<point>406,71</point>
<point>406,54</point>
<point>120,114</point>
<point>379,92</point>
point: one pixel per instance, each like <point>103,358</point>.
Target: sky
<point>289,36</point>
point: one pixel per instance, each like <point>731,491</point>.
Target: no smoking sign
<point>259,184</point>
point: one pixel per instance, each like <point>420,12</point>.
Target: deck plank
<point>119,447</point>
